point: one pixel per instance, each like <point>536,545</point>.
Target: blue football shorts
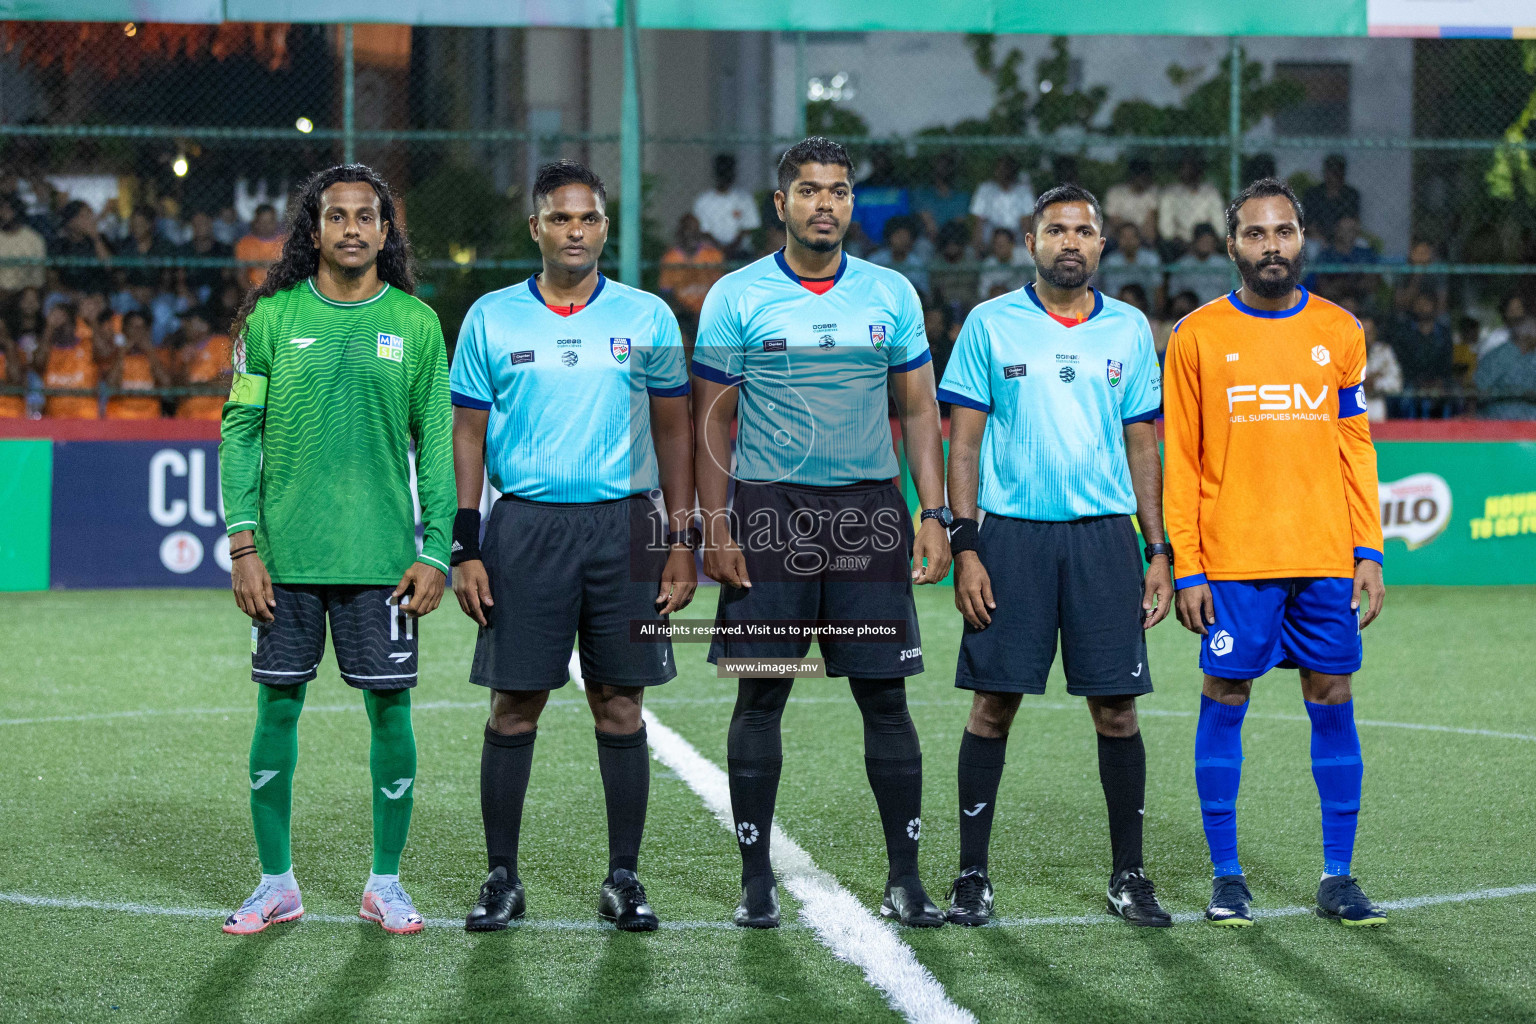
<point>1285,623</point>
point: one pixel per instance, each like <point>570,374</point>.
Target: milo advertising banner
<point>1458,512</point>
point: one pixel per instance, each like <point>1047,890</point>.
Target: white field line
<point>205,913</point>
<point>452,923</point>
<point>841,922</point>
<point>442,705</point>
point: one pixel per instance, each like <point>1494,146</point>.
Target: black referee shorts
<point>1082,579</point>
<point>561,571</point>
<point>825,553</point>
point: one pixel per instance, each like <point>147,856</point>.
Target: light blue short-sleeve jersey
<point>812,369</point>
<point>1058,400</point>
<point>568,395</point>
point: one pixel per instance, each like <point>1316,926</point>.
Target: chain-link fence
<point>148,169</point>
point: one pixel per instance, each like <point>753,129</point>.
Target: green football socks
<point>274,752</point>
<point>392,761</point>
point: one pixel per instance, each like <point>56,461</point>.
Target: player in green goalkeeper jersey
<point>339,369</point>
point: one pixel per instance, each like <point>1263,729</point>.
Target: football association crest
<point>620,348</point>
<point>877,335</point>
<point>1114,373</point>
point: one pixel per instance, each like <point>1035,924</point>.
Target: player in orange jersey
<point>1270,498</point>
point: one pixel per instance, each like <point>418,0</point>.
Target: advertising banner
<point>25,469</point>
<point>1458,512</point>
<point>138,514</point>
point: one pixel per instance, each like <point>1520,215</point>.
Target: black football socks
<point>755,756</point>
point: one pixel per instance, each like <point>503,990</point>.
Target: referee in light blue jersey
<point>573,391</point>
<point>1053,390</point>
<point>806,349</point>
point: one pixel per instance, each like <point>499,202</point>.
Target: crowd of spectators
<point>79,337</point>
<point>77,333</point>
<point>1165,254</point>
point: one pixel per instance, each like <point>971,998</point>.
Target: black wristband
<point>962,535</point>
<point>466,537</point>
<point>237,555</point>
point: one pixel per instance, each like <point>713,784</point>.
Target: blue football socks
<point>1218,771</point>
<point>1337,768</point>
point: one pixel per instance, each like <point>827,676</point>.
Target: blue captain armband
<point>1352,401</point>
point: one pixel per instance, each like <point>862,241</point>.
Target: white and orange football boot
<point>390,908</point>
<point>273,902</point>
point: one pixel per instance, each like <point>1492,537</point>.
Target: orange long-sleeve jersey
<point>1270,470</point>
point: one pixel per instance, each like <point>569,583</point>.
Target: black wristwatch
<point>942,514</point>
<point>1160,548</point>
<point>690,538</point>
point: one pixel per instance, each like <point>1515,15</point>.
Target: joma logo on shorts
<point>849,563</point>
<point>911,652</point>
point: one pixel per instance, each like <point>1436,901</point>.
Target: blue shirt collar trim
<point>1098,301</point>
<point>842,265</point>
<point>1269,314</point>
<point>533,286</point>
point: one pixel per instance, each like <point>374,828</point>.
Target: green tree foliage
<point>1206,108</point>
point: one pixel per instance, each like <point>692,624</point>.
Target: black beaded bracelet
<point>466,537</point>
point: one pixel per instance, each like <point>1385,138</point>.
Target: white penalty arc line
<point>444,705</point>
<point>453,924</point>
<point>841,922</point>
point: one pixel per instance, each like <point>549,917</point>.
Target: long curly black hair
<point>301,260</point>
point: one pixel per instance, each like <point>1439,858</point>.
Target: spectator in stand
<point>942,327</point>
<point>1421,254</point>
<point>940,200</point>
<point>169,225</point>
<point>1005,200</point>
<point>1333,200</point>
<point>1346,246</point>
<point>80,238</point>
<point>1511,312</point>
<point>206,360</point>
<point>880,195</point>
<point>263,245</point>
<point>1383,375</point>
<point>1134,202</point>
<point>1261,165</point>
<point>1180,306</point>
<point>773,237</point>
<point>1203,270</point>
<point>136,366</point>
<point>203,282</point>
<point>144,242</point>
<point>1186,204</point>
<point>1131,263</point>
<point>684,281</point>
<point>952,276</point>
<point>65,360</point>
<point>1426,353</point>
<point>13,377</point>
<point>1006,266</point>
<point>726,213</point>
<point>228,228</point>
<point>88,316</point>
<point>24,322</point>
<point>1506,378</point>
<point>1464,352</point>
<point>17,239</point>
<point>905,252</point>
<point>1134,294</point>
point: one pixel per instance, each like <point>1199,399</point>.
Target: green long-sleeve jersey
<point>327,398</point>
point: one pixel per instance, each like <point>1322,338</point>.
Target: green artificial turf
<point>151,809</point>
